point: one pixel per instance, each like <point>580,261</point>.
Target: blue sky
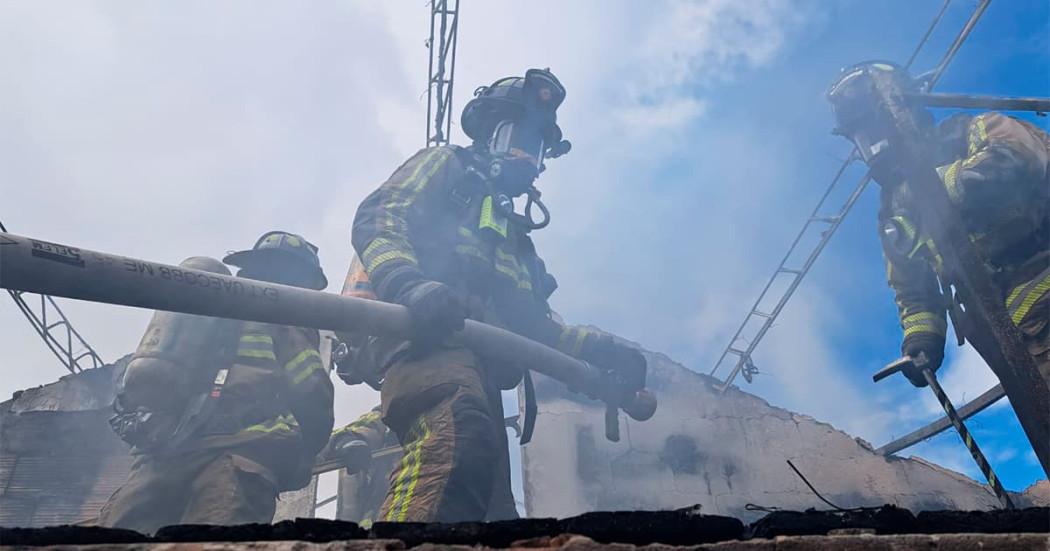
<point>701,141</point>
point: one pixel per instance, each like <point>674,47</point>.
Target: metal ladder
<point>827,225</point>
<point>51,323</point>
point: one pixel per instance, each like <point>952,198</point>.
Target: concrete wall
<point>722,451</point>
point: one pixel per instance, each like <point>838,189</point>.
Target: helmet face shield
<point>544,88</point>
<point>521,139</point>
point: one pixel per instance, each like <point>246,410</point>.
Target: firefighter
<point>995,171</point>
<point>442,237</point>
<point>221,414</point>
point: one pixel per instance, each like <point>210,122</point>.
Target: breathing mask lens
<point>519,141</point>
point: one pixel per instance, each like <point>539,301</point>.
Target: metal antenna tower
<point>444,24</point>
<point>55,329</point>
<point>826,224</point>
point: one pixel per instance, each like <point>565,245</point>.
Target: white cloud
<point>694,45</point>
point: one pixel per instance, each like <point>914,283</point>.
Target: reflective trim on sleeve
<point>283,423</point>
<point>927,322</point>
<point>571,340</point>
<point>307,371</point>
<point>415,182</point>
<point>255,337</point>
<point>256,346</point>
<point>470,250</point>
<point>382,250</point>
<point>306,362</point>
<point>951,185</point>
<point>978,135</point>
<point>507,264</point>
<point>301,358</point>
<point>1023,297</point>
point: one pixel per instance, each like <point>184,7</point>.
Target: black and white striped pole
<point>920,363</point>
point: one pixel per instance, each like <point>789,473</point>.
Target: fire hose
<point>36,266</point>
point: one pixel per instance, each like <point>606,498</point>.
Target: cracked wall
<point>722,451</point>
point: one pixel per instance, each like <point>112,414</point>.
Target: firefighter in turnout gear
<point>442,237</point>
<point>995,171</point>
<point>221,414</point>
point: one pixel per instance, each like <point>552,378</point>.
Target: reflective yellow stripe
<point>563,339</point>
<point>1014,294</point>
<point>1030,299</point>
<point>513,269</point>
<point>256,345</point>
<point>300,358</point>
<point>387,257</point>
<point>283,423</point>
<point>577,347</point>
<point>305,373</point>
<point>251,353</point>
<point>919,322</point>
<point>398,487</point>
<point>920,317</point>
<point>415,472</point>
<point>382,250</point>
<point>409,467</point>
<point>492,220</point>
<point>950,174</point>
<point>514,275</point>
<point>921,329</point>
<point>465,232</point>
<point>574,334</point>
<point>364,421</point>
<point>470,250</point>
<point>416,181</point>
<point>906,224</point>
<point>978,135</point>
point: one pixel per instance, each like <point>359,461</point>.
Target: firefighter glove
<point>354,453</point>
<point>930,344</point>
<point>437,310</point>
<point>626,362</point>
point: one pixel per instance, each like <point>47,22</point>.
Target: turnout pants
<point>449,419</point>
<point>215,486</point>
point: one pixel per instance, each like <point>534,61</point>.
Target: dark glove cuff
<point>926,341</point>
<point>390,282</point>
<point>932,344</point>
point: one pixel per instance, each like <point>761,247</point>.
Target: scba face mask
<point>517,150</point>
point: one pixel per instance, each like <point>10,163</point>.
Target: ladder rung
<point>737,351</point>
<point>825,219</point>
<point>789,271</point>
<point>761,314</point>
